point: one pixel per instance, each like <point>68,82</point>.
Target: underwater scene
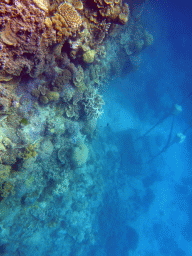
<point>95,128</point>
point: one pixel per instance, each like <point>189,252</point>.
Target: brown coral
<point>62,78</point>
<point>30,30</point>
<point>7,99</point>
<point>113,10</point>
<point>23,45</point>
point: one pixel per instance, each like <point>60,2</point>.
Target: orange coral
<point>65,21</point>
<point>71,16</point>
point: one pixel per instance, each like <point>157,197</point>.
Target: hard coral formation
<point>72,18</point>
<point>113,10</point>
<point>23,47</point>
<point>42,4</point>
<point>65,21</point>
<point>31,27</point>
<point>80,154</point>
<point>52,96</point>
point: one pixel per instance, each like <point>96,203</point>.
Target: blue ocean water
<point>151,205</point>
<point>132,195</point>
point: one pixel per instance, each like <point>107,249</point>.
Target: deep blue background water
<point>165,73</point>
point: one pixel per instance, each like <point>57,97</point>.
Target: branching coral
<point>93,103</point>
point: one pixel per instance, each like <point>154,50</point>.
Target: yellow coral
<point>89,56</point>
<point>65,21</point>
<point>53,96</point>
<point>71,16</point>
<point>48,22</point>
<point>7,36</point>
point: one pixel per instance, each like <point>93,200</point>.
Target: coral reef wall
<point>55,56</point>
<point>30,29</point>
